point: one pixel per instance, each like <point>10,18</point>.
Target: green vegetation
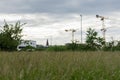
<point>10,36</point>
<point>77,47</point>
<point>28,48</point>
<point>93,41</point>
<point>59,65</point>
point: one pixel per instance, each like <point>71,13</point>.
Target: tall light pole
<point>51,40</point>
<point>81,27</point>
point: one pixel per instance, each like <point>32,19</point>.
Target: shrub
<point>57,48</point>
<point>28,48</point>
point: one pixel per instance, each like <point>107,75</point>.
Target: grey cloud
<point>59,6</point>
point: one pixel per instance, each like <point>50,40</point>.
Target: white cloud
<point>39,27</point>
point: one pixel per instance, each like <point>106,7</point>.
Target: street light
<point>81,28</point>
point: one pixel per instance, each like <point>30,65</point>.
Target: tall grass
<point>59,65</point>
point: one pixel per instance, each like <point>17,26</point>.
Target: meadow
<point>60,65</point>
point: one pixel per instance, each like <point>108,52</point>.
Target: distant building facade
<point>25,43</point>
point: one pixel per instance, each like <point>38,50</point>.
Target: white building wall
<point>27,43</point>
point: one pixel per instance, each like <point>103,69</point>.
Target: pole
<point>103,29</point>
<point>72,36</point>
<point>81,28</point>
<point>51,40</point>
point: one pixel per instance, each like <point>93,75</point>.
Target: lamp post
<point>81,27</point>
<point>51,40</point>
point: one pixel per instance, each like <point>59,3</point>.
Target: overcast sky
<point>48,19</point>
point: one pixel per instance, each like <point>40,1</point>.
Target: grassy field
<point>59,65</point>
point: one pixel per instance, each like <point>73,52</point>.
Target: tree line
<point>10,38</point>
<point>93,43</point>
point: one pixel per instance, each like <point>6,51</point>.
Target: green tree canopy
<point>10,36</point>
<point>93,40</point>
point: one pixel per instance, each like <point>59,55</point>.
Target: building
<point>25,43</point>
<point>47,43</point>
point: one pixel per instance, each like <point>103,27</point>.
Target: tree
<point>92,40</point>
<point>10,36</point>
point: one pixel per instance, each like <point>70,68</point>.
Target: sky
<point>48,19</point>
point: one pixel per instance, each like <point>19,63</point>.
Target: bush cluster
<point>79,47</point>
